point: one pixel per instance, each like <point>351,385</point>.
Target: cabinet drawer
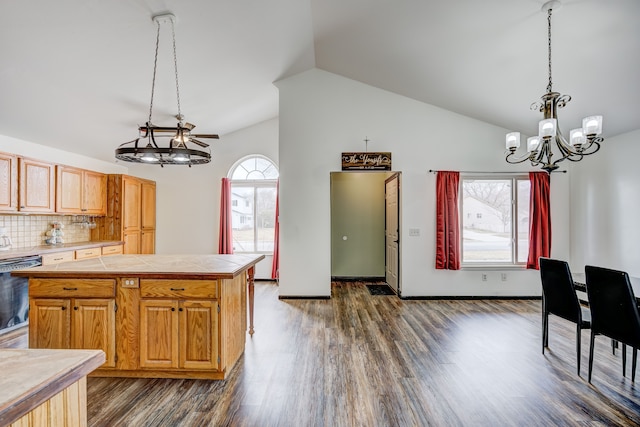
<point>88,253</point>
<point>112,250</point>
<point>72,288</point>
<point>158,288</point>
<point>57,257</point>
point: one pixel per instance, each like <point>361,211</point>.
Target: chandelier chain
<point>155,67</point>
<point>175,64</point>
<point>549,86</point>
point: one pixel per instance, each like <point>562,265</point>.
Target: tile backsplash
<point>27,231</point>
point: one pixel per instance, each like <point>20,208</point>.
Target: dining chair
<point>614,312</point>
<point>560,299</point>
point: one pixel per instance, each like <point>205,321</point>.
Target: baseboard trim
<point>471,297</point>
<point>358,279</point>
<point>303,297</point>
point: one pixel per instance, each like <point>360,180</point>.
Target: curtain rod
<point>493,173</point>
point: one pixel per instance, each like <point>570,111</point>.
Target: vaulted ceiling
<point>76,74</point>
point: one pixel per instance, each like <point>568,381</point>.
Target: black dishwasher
<point>14,292</point>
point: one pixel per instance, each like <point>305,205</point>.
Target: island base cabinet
<point>73,323</point>
<point>67,408</point>
<point>179,334</point>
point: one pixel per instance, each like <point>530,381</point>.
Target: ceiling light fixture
<point>161,144</point>
<point>582,141</point>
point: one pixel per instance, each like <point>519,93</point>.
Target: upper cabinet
<point>8,183</point>
<point>37,186</point>
<point>131,214</point>
<point>80,191</point>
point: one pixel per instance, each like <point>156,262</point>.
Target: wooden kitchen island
<point>154,316</point>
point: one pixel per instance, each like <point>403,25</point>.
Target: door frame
<point>398,176</point>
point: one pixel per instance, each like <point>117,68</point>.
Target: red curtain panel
<point>539,218</point>
<point>447,221</point>
<point>225,243</point>
<point>275,266</point>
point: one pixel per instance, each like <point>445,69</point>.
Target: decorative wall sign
<point>366,161</point>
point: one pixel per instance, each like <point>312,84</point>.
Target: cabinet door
<point>8,183</point>
<point>159,334</point>
<point>148,242</point>
<point>69,190</point>
<point>131,242</point>
<point>37,186</point>
<point>131,204</point>
<point>49,323</point>
<point>198,334</point>
<point>148,205</point>
<point>94,327</point>
<point>94,193</point>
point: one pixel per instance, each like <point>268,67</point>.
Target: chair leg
<point>545,330</point>
<point>633,364</point>
<point>624,360</point>
<point>593,341</point>
<point>578,335</point>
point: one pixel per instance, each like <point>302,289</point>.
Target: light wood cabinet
<point>8,183</point>
<point>112,250</point>
<point>58,257</point>
<point>36,186</point>
<point>179,331</point>
<point>130,215</point>
<point>74,313</point>
<point>80,191</point>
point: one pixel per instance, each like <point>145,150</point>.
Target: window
<point>495,220</point>
<point>253,204</point>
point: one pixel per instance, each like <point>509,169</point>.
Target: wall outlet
<point>484,277</point>
<point>503,276</point>
<point>414,232</point>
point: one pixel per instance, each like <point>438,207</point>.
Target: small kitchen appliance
<point>5,240</point>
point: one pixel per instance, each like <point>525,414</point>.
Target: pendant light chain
<point>175,63</point>
<point>155,67</point>
<point>549,86</point>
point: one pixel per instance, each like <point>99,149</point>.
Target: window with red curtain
<point>447,221</point>
<point>539,218</point>
<point>225,243</point>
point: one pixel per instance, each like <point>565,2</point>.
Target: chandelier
<point>166,145</point>
<point>582,141</point>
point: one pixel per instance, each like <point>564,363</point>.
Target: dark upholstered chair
<point>614,312</point>
<point>559,298</point>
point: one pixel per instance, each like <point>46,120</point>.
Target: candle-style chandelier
<point>166,145</point>
<point>582,141</point>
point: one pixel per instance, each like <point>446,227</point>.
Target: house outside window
<point>495,220</point>
<point>253,204</point>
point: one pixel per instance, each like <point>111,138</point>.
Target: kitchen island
<point>154,316</point>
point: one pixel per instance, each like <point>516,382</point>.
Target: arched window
<point>253,204</point>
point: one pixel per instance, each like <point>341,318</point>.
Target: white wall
<point>53,155</point>
<point>322,115</point>
<point>605,207</point>
<point>188,199</point>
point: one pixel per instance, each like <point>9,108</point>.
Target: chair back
<point>614,310</point>
<point>558,293</point>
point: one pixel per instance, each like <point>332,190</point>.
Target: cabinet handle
<point>63,308</point>
<point>173,309</point>
<point>75,308</point>
<point>180,309</point>
<point>70,289</point>
<point>177,289</point>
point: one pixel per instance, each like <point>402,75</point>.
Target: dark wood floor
<point>361,360</point>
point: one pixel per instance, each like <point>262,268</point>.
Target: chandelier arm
<point>513,159</point>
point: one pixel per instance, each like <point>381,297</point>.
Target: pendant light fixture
<point>166,145</point>
<point>582,141</point>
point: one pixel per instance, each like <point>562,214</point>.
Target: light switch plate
<point>414,232</point>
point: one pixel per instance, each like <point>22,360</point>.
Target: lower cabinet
<point>60,318</point>
<point>179,334</point>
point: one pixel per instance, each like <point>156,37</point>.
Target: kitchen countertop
<point>148,266</point>
<point>32,376</point>
<point>47,249</point>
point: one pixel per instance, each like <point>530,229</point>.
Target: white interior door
<point>392,231</point>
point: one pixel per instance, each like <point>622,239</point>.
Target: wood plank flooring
<point>362,360</point>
